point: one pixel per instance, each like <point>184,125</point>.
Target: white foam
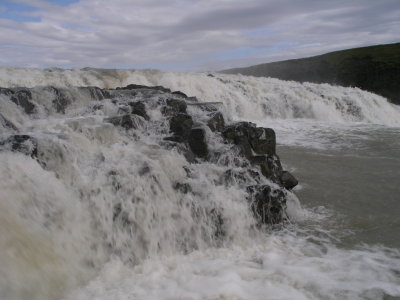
<point>244,97</point>
<point>282,267</point>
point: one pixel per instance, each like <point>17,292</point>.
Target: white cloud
<point>191,32</point>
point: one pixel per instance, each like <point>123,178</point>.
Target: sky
<point>187,35</point>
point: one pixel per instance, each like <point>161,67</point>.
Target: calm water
<point>356,177</point>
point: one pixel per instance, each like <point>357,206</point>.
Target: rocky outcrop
<point>188,126</point>
<point>21,97</point>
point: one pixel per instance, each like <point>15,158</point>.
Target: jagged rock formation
<point>184,124</point>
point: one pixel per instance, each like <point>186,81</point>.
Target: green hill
<point>375,69</point>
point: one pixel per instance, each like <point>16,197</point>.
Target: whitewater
<point>58,239</point>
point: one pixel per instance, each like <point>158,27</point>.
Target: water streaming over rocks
<point>156,190</point>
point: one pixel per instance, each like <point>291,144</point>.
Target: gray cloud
<point>195,34</point>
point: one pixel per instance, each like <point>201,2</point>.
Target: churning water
<point>58,239</point>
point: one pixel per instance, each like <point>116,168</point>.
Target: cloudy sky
<point>187,34</point>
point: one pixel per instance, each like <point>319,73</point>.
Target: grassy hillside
<point>374,68</point>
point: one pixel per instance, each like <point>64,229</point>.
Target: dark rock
<point>174,106</point>
<point>181,124</point>
<point>197,142</point>
<point>216,122</point>
<point>270,166</point>
<point>125,121</point>
<point>61,100</point>
<point>96,93</point>
<point>184,188</point>
<point>138,86</point>
<point>263,141</point>
<point>6,92</point>
<point>138,108</point>
<point>179,93</point>
<point>23,97</point>
<point>267,204</point>
<point>288,180</point>
<point>210,75</point>
<point>7,123</point>
<point>21,143</point>
<point>238,134</point>
<point>251,139</point>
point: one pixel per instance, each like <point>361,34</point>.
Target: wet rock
<point>239,134</point>
<point>61,100</point>
<point>267,204</point>
<point>7,123</point>
<point>21,143</point>
<point>181,124</point>
<point>240,176</point>
<point>218,221</point>
<point>97,93</point>
<point>174,106</point>
<point>138,108</point>
<point>6,92</point>
<point>179,93</point>
<point>126,121</point>
<point>23,97</point>
<point>197,142</point>
<point>288,180</point>
<point>263,141</point>
<point>216,122</point>
<point>251,139</point>
<point>139,86</point>
<point>184,188</point>
<point>270,166</point>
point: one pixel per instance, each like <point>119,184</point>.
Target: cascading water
<point>112,204</point>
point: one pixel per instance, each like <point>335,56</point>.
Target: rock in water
<point>181,124</point>
<point>21,143</point>
<point>126,121</point>
<point>288,180</point>
<point>23,97</point>
<point>197,142</point>
<point>267,204</point>
<point>138,108</point>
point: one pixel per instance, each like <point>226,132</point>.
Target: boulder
<point>270,166</point>
<point>126,121</point>
<point>288,180</point>
<point>21,143</point>
<point>263,141</point>
<point>267,204</point>
<point>181,124</point>
<point>23,97</point>
<point>61,99</point>
<point>251,139</point>
<point>138,108</point>
<point>174,106</point>
<point>216,122</point>
<point>197,142</point>
<point>179,93</point>
<point>139,86</point>
<point>184,188</point>
<point>96,93</point>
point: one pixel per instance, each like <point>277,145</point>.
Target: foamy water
<point>58,238</point>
